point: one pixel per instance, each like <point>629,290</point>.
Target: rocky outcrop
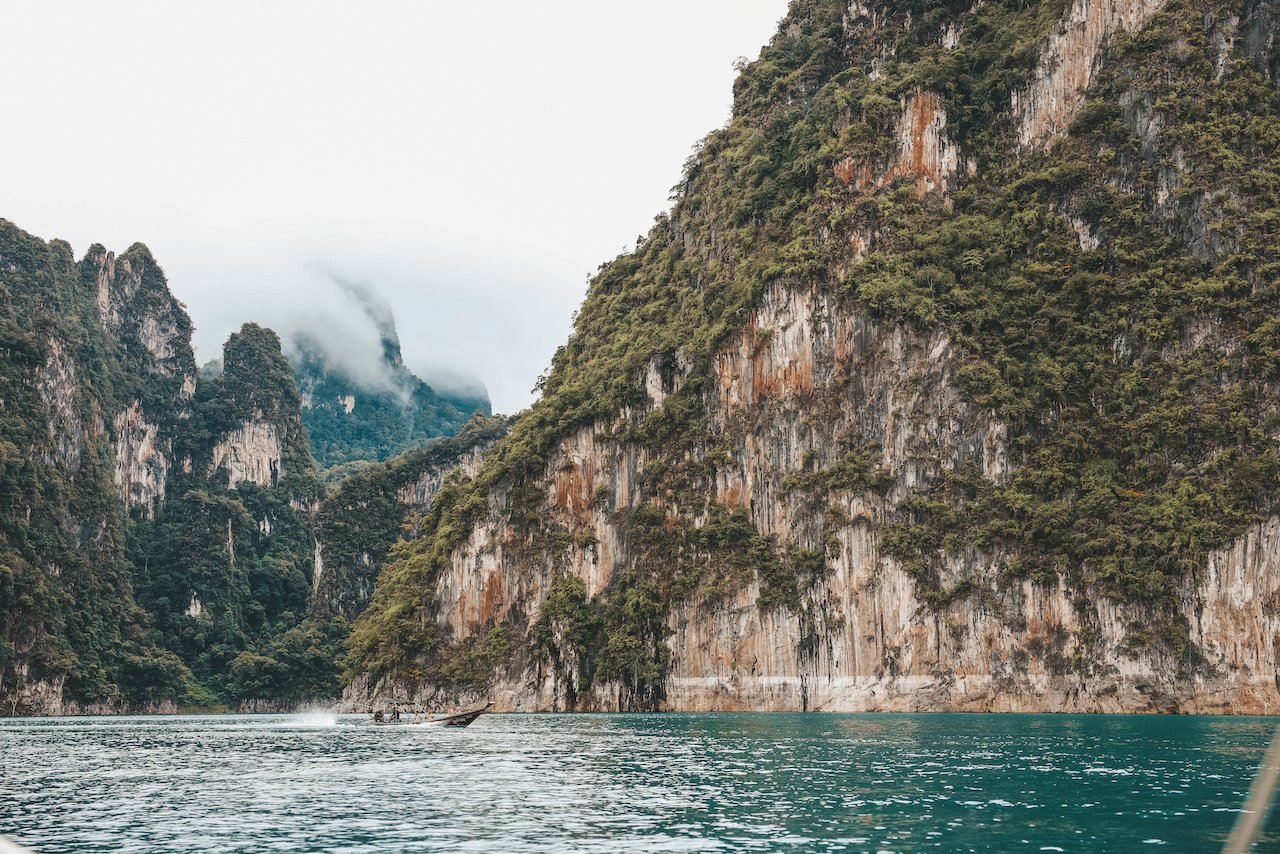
<point>153,334</point>
<point>141,466</point>
<point>58,387</point>
<point>130,528</point>
<point>771,392</point>
<point>925,154</point>
<point>1067,61</point>
<point>135,305</point>
<point>417,495</point>
<point>368,406</point>
<point>252,453</point>
<point>95,356</point>
<point>834,407</point>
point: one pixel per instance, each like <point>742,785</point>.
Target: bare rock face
<point>251,453</point>
<point>1067,62</point>
<point>418,494</point>
<point>926,156</point>
<point>141,466</point>
<point>58,388</point>
<point>1260,37</point>
<point>797,349</point>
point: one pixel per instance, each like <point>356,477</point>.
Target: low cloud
<point>345,322</point>
<point>450,382</point>
<point>374,306</point>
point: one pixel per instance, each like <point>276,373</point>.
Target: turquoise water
<point>672,782</point>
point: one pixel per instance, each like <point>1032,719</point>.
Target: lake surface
<point>673,782</point>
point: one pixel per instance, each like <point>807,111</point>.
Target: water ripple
<point>320,783</point>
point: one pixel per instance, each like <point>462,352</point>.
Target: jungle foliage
<point>67,610</point>
<point>372,508</point>
<point>352,420</point>
<point>225,571</point>
<point>132,610</point>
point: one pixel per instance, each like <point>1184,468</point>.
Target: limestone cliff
<point>223,568</point>
<point>153,335</point>
<point>96,369</point>
<point>1066,62</point>
<point>120,567</point>
<point>156,529</point>
<point>369,511</point>
<point>945,385</point>
<point>250,453</point>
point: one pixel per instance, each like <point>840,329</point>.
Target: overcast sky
<point>471,162</point>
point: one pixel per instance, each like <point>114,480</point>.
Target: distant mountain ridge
<point>350,421</point>
<point>371,407</point>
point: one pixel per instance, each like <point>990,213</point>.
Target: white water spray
<point>317,718</point>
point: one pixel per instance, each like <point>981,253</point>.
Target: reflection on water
<point>810,782</point>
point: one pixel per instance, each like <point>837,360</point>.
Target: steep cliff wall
<point>368,513</point>
<point>95,361</point>
<point>1066,62</point>
<point>153,368</point>
<point>157,537</point>
<point>128,581</point>
<point>250,453</point>
<point>930,393</point>
<point>142,464</point>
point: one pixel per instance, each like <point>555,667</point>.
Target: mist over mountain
<point>360,401</point>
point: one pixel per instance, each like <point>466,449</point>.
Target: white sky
<point>472,162</point>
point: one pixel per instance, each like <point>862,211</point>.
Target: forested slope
<point>948,382</point>
<point>158,530</point>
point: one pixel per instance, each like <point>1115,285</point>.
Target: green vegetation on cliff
<point>224,568</point>
<point>370,510</point>
<point>1114,296</point>
<point>131,572</point>
<point>374,417</point>
<point>1136,374</point>
<point>157,532</point>
<point>67,612</point>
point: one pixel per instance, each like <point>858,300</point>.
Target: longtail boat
<point>417,718</point>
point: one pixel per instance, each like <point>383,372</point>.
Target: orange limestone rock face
<point>1068,59</point>
<point>925,155</point>
<point>810,437</point>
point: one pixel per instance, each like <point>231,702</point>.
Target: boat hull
<point>461,719</point>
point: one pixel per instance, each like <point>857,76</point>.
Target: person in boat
<point>377,716</point>
<point>395,714</point>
